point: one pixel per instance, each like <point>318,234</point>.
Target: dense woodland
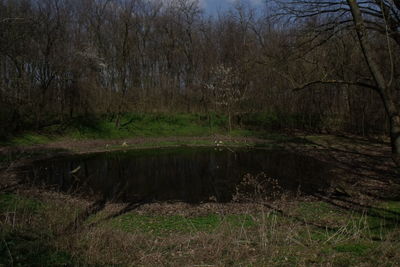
<point>302,61</point>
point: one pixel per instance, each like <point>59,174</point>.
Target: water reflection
<point>185,174</point>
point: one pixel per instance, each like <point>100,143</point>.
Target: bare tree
<point>382,86</point>
<point>370,18</point>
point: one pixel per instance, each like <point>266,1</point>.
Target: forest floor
<point>356,223</point>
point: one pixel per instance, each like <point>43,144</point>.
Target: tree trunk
<point>391,107</point>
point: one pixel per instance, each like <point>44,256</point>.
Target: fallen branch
<point>340,82</point>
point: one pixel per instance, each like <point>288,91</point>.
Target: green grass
<point>259,124</point>
<point>166,224</point>
<point>147,125</point>
<point>354,248</point>
<point>132,125</point>
<point>29,139</point>
<point>15,203</point>
<point>393,206</point>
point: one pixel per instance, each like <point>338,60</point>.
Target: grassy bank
<point>131,125</point>
<point>35,231</point>
<point>137,125</point>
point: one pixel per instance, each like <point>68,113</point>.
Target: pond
<point>183,174</point>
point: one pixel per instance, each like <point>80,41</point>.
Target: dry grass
<point>203,235</point>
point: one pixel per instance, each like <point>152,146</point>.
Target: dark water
<point>184,174</point>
